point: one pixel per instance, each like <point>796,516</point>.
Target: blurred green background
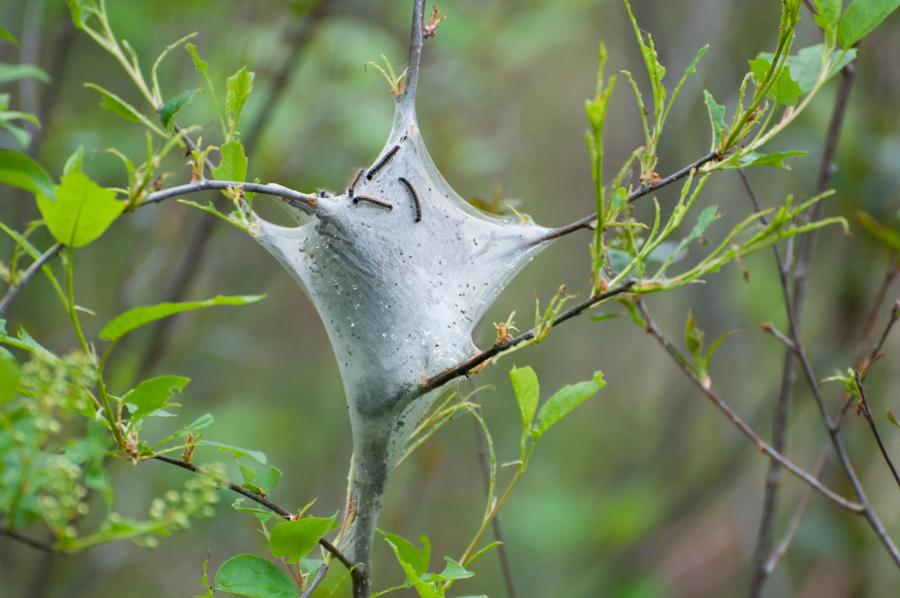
<point>649,492</point>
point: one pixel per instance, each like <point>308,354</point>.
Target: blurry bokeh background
<point>648,492</point>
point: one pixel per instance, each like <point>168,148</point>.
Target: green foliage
<point>294,540</point>
<point>861,18</point>
<point>233,166</point>
<point>153,395</point>
<point>136,317</point>
<point>20,171</point>
<point>239,87</point>
<point>249,575</point>
<point>173,105</point>
<point>80,210</point>
<point>113,103</point>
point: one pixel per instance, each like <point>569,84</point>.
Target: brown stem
<point>13,291</point>
<point>867,413</point>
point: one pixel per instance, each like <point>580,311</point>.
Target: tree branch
<point>653,330</point>
<point>13,291</point>
<point>303,201</point>
<point>867,413</point>
<point>587,221</point>
<point>416,41</point>
<point>267,503</point>
<point>473,362</point>
<point>36,544</point>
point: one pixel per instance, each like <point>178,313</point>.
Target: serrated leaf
<point>716,118</point>
<point>174,105</point>
<point>152,395</point>
<point>862,17</point>
<point>249,575</point>
<point>233,166</point>
<point>528,392</point>
<point>81,211</point>
<point>18,170</point>
<point>141,316</point>
<point>417,558</point>
<point>293,540</point>
<point>113,103</point>
<point>240,85</point>
<point>236,451</point>
<point>564,401</point>
<point>14,72</point>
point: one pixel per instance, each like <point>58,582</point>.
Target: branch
<point>264,501</point>
<point>473,362</point>
<point>13,291</point>
<point>416,41</point>
<point>304,201</point>
<point>867,413</point>
<point>587,221</point>
<point>802,474</point>
<point>36,544</point>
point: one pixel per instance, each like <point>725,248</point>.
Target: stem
<point>416,41</point>
<point>867,413</point>
<point>304,201</point>
<point>14,288</point>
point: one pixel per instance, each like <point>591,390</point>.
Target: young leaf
<point>293,540</point>
<point>828,15</point>
<point>417,558</point>
<point>453,570</point>
<point>716,118</point>
<point>236,451</point>
<point>9,376</point>
<point>74,161</point>
<point>240,85</point>
<point>423,588</point>
<point>201,423</point>
<point>233,166</point>
<point>113,103</point>
<point>141,316</point>
<point>528,391</point>
<point>18,170</point>
<point>203,66</point>
<point>775,159</point>
<point>152,395</point>
<point>249,575</point>
<point>861,17</point>
<point>173,105</point>
<point>81,211</point>
<point>564,401</point>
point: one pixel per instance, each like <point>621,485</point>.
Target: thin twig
<point>588,221</point>
<point>266,502</point>
<point>320,576</point>
<point>303,201</point>
<point>794,309</point>
<point>496,527</point>
<point>193,257</point>
<point>13,291</point>
<point>416,41</point>
<point>36,544</point>
<point>473,362</point>
<point>654,331</point>
<point>867,413</point>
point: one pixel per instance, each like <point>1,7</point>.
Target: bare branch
<point>867,413</point>
<point>320,576</point>
<point>416,41</point>
<point>735,419</point>
<point>36,544</point>
<point>303,201</point>
<point>13,291</point>
<point>473,362</point>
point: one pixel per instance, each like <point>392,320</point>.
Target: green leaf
<point>14,72</point>
<point>828,15</point>
<point>9,377</point>
<point>716,118</point>
<point>82,210</point>
<point>233,166</point>
<point>141,316</point>
<point>201,423</point>
<point>564,401</point>
<point>892,418</point>
<point>294,540</point>
<point>74,161</point>
<point>203,66</point>
<point>861,17</point>
<point>18,170</point>
<point>453,570</point>
<point>806,64</point>
<point>693,337</point>
<point>249,575</point>
<point>113,103</point>
<point>709,215</point>
<point>417,558</point>
<point>152,395</point>
<point>785,90</point>
<point>528,392</point>
<point>240,85</point>
<point>423,588</point>
<point>236,451</point>
<point>260,482</point>
<point>774,159</point>
<point>173,105</point>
